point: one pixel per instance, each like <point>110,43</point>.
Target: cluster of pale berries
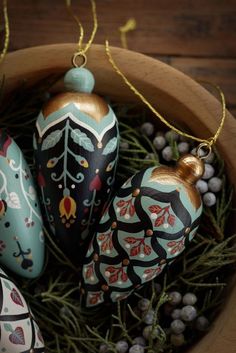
<point>183,315</point>
<point>210,184</point>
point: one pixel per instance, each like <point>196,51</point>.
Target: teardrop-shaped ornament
<point>21,228</point>
<point>150,221</point>
<point>76,148</point>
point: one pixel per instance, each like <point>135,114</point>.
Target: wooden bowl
<point>174,94</point>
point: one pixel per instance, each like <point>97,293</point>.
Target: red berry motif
<point>164,215</point>
<point>139,246</point>
<point>126,208</point>
<point>114,273</point>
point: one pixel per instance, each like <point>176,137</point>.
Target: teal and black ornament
<point>21,229</point>
<point>150,221</point>
<point>76,148</point>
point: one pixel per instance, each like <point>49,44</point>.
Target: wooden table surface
<point>196,37</point>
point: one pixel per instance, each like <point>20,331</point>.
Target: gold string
<point>81,50</point>
<point>205,142</point>
<point>130,25</point>
<point>7,32</point>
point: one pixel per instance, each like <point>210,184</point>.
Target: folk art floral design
<point>21,243</point>
<point>76,159</point>
<point>19,331</point>
<point>144,229</point>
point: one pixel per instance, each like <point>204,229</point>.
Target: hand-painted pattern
<point>146,226</point>
<point>21,248</point>
<point>76,158</point>
<point>19,331</point>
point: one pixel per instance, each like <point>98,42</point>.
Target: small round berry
<point>202,186</point>
<point>167,153</point>
<point>210,158</point>
<point>148,317</point>
<point>136,348</point>
<point>175,298</point>
<point>215,184</point>
<point>150,156</point>
<point>202,323</point>
<point>209,199</point>
<point>144,304</point>
<point>103,348</point>
<point>177,340</point>
<point>188,313</point>
<point>159,142</point>
<point>189,299</point>
<point>147,129</point>
<point>176,314</point>
<point>124,145</point>
<point>183,147</point>
<point>148,330</point>
<point>171,136</point>
<point>122,346</point>
<point>139,340</point>
<point>177,326</point>
<point>201,153</point>
<point>209,171</point>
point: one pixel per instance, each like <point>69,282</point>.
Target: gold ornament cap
<point>190,168</point>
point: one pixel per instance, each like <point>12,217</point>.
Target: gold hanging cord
<point>7,32</point>
<point>130,25</point>
<point>204,143</point>
<point>82,49</point>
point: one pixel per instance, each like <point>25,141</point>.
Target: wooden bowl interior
<point>174,94</point>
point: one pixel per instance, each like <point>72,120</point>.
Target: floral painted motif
<point>164,215</point>
<point>175,247</point>
<point>151,273</point>
<point>67,208</point>
<point>137,246</point>
<point>95,298</point>
<point>116,274</point>
<point>125,208</point>
<point>105,239</point>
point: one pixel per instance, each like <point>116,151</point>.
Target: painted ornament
<point>76,147</point>
<point>150,221</point>
<point>21,234</point>
<point>19,330</point>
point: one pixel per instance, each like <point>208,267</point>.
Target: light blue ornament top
<point>79,79</point>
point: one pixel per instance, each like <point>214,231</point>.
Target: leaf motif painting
<point>51,140</point>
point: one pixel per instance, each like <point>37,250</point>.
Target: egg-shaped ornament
<point>21,234</point>
<point>19,332</point>
<point>76,146</point>
<point>150,221</point>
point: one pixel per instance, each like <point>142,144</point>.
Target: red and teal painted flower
<point>67,207</point>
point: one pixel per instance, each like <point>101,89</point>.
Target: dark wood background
<point>197,37</point>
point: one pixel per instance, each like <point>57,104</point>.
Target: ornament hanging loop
<point>79,55</point>
<point>206,147</point>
